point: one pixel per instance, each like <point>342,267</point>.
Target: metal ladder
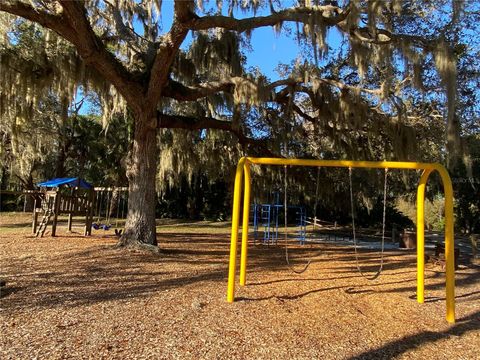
<point>301,217</point>
<point>265,213</point>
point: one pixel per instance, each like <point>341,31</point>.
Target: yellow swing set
<point>243,170</point>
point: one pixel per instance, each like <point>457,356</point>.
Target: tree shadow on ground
<point>8,290</point>
<point>186,222</point>
<point>16,225</point>
<point>100,273</point>
<point>398,347</point>
<point>347,287</point>
<point>457,297</point>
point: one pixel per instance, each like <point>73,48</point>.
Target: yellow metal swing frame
<point>243,170</point>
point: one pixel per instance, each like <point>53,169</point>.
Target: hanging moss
<point>446,65</point>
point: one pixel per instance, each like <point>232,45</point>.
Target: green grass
<point>20,222</point>
<point>165,226</point>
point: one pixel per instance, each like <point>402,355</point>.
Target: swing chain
<point>317,190</point>
<point>377,274</point>
<point>286,226</point>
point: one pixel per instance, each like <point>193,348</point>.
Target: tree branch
<point>169,45</point>
<point>194,123</point>
<point>385,37</point>
<point>180,92</point>
<point>302,113</point>
<point>73,25</point>
<point>56,23</point>
<point>125,32</point>
<point>297,14</point>
<point>93,52</point>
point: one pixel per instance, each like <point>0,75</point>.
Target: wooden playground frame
<point>80,202</point>
<point>243,170</point>
<point>73,202</point>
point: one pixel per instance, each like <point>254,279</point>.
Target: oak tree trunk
<point>28,184</point>
<point>141,173</point>
<point>60,169</point>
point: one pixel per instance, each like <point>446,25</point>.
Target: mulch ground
<point>77,297</point>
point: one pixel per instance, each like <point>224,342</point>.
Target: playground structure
<point>243,171</point>
<point>75,197</point>
<point>266,221</point>
<point>65,196</point>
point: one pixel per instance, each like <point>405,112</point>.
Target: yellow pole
<point>449,245</point>
<point>234,237</point>
<point>421,236</point>
<point>246,213</point>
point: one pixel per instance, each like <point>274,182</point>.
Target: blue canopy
<point>74,182</point>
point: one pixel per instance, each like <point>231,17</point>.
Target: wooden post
<point>34,217</point>
<point>70,216</point>
<point>89,204</point>
<point>474,244</point>
<point>56,205</point>
<point>335,231</point>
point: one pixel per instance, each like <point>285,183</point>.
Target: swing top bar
<point>243,170</point>
<point>346,163</point>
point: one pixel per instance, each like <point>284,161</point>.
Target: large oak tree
<point>135,65</point>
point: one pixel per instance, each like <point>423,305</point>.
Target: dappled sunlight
<point>69,280</point>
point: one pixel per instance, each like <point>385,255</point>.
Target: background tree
<point>133,64</point>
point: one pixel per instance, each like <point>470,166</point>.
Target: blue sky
<point>269,48</point>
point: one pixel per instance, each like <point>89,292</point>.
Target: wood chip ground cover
<point>79,297</point>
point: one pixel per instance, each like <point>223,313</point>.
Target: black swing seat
<point>101,226</point>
